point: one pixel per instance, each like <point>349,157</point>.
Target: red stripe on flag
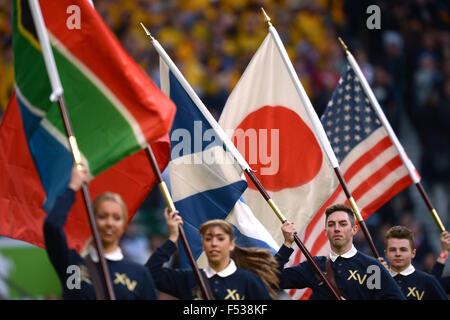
<point>376,177</point>
<point>367,157</point>
<point>397,187</point>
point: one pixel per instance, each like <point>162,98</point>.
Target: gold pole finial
<point>344,45</point>
<point>266,17</point>
<point>146,31</point>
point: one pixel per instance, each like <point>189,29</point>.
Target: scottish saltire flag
<point>206,182</point>
<point>370,163</point>
<point>115,110</point>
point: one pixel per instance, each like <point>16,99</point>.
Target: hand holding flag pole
<point>320,134</point>
<point>404,157</point>
<point>203,283</point>
<point>57,95</point>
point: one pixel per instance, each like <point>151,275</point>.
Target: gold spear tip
<point>343,44</point>
<point>146,31</point>
<point>266,17</point>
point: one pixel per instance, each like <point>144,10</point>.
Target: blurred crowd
<point>406,61</point>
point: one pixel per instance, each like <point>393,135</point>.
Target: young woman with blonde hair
<point>130,280</point>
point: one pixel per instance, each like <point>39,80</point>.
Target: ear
<point>355,229</point>
<point>232,245</point>
<point>413,253</point>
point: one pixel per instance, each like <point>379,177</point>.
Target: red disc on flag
<point>279,146</point>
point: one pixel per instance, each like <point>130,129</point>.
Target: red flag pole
<point>57,95</point>
<point>203,283</point>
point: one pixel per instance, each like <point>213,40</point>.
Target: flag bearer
<point>355,274</point>
<point>233,273</point>
<point>415,284</point>
<point>130,280</point>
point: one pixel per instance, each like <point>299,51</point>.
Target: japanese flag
<point>269,125</point>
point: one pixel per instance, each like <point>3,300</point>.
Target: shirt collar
<point>350,253</point>
<point>409,270</point>
<point>229,270</point>
<point>116,255</point>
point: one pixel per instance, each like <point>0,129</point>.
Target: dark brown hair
<point>340,207</point>
<point>400,232</point>
<point>256,260</point>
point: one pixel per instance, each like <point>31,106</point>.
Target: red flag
<point>114,108</point>
<point>22,194</point>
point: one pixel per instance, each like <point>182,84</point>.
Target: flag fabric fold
<point>114,108</point>
<point>269,125</point>
<point>206,182</point>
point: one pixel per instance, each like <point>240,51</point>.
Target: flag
<point>269,125</point>
<point>370,163</point>
<point>205,180</point>
<point>115,110</point>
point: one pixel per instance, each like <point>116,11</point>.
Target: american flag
<point>370,164</point>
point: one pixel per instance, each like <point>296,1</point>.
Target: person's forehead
<point>109,206</point>
<point>338,216</point>
<point>398,243</point>
<point>214,231</point>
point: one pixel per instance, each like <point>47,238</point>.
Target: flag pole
<point>57,95</point>
<point>232,149</point>
<point>319,132</point>
<point>405,159</point>
<point>203,283</point>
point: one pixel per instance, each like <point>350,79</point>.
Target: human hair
<point>256,260</point>
<point>111,196</point>
<point>340,207</point>
<point>400,232</point>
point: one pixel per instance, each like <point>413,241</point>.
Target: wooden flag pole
<point>357,213</point>
<point>57,95</point>
<point>405,159</point>
<point>203,283</point>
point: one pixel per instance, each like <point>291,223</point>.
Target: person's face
<point>339,230</point>
<point>110,221</point>
<point>217,246</point>
<point>399,253</point>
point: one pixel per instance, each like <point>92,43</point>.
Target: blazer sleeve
<point>54,236</point>
<point>437,270</point>
<point>436,288</point>
<point>176,282</point>
<point>148,291</point>
<point>282,256</point>
<point>257,290</point>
